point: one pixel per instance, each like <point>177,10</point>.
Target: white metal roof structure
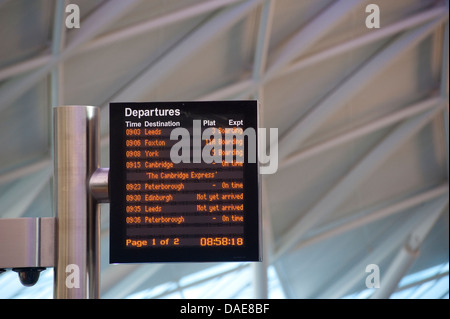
<point>362,118</point>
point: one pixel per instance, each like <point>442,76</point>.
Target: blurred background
<point>361,110</point>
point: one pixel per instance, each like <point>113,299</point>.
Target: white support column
<point>260,269</point>
<point>58,43</point>
<point>260,287</point>
<point>260,279</point>
<point>262,44</point>
<point>444,86</point>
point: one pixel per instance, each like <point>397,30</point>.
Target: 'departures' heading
<point>151,112</point>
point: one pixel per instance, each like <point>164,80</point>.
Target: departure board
<point>184,182</point>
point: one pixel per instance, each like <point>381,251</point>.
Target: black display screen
<point>184,182</point>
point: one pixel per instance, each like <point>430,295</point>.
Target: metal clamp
<point>72,238</point>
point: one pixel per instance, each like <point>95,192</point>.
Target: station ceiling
<point>361,113</point>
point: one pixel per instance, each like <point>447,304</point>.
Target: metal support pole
<point>76,144</point>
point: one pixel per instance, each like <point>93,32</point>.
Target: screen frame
<point>119,253</point>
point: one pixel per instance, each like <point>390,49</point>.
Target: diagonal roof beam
<point>362,130</point>
<point>201,8</point>
<point>245,86</point>
<point>122,34</point>
<point>417,283</point>
<point>311,34</point>
<point>227,91</point>
<point>408,253</point>
<point>355,273</point>
<point>370,215</point>
<point>184,49</point>
<point>367,38</point>
<point>14,174</point>
<point>190,45</point>
<point>185,13</point>
<point>306,38</point>
<point>93,25</point>
<point>338,98</point>
<point>27,189</point>
<point>347,184</point>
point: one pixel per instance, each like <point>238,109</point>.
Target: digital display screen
<point>184,182</point>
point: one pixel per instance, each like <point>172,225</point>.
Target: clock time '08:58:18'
<point>221,241</point>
